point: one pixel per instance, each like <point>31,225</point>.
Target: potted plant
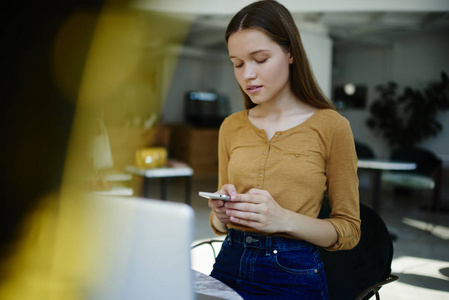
<point>407,119</point>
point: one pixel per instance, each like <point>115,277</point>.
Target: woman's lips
<point>251,89</point>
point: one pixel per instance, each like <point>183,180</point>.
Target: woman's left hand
<point>257,209</point>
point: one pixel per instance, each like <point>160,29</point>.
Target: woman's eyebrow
<point>251,53</point>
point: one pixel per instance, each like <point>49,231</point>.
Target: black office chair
<point>427,175</point>
<point>363,150</point>
<point>359,273</point>
<point>212,243</point>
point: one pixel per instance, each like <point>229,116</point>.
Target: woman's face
<point>261,66</point>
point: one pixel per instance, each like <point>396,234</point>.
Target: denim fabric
<point>270,267</point>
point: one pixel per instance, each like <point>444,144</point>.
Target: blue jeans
<point>258,266</point>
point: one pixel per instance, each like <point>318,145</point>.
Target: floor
<point>421,251</point>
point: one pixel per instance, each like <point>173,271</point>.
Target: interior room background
<point>413,58</point>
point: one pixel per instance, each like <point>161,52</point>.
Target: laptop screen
<point>145,249</point>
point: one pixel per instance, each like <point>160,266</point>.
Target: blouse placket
<point>263,161</point>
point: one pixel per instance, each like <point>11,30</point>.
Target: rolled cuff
<point>348,236</point>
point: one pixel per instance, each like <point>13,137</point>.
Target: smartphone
<point>214,196</point>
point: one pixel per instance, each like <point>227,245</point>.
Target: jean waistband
<point>261,241</point>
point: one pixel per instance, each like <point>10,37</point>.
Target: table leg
<point>163,188</point>
<point>188,189</point>
<point>146,187</point>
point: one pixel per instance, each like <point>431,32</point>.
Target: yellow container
<point>152,157</point>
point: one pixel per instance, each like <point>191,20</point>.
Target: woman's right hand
<point>218,206</point>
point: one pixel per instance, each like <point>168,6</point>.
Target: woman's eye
<point>261,61</point>
<point>238,66</point>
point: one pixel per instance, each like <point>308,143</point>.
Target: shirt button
<point>261,165</point>
<point>259,187</point>
<point>260,175</point>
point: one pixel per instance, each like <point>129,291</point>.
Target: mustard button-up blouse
<point>297,166</point>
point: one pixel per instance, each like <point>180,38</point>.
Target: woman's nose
<point>250,73</point>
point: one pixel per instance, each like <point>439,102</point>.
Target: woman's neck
<point>274,117</point>
<point>282,108</point>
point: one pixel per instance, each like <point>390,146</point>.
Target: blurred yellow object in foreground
<point>152,157</point>
<point>34,270</point>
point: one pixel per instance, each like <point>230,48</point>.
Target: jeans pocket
<point>300,261</point>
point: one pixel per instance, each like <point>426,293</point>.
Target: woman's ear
<point>290,59</point>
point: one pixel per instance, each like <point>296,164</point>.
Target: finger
<point>217,205</point>
<point>254,191</point>
<point>229,187</point>
<point>220,212</point>
<point>230,190</point>
<point>244,222</point>
<point>242,206</point>
<point>218,209</point>
<point>243,215</point>
<point>251,198</point>
<point>222,216</point>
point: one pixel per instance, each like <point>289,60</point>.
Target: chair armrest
<point>208,242</point>
<point>375,288</point>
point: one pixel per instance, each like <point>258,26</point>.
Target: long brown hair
<point>276,22</point>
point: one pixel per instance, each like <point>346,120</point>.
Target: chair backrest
<point>350,272</point>
<point>426,161</point>
<point>363,150</point>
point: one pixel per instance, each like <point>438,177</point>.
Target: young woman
<point>277,159</point>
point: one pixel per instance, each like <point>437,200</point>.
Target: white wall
<point>319,51</point>
<point>409,60</point>
<point>200,71</point>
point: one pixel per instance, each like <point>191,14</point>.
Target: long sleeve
<point>343,187</point>
<point>223,161</point>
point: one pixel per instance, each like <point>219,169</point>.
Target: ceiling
<point>380,27</point>
<point>377,22</point>
<point>372,28</point>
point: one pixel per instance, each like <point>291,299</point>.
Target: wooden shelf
<point>198,147</point>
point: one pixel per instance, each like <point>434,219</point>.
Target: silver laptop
<point>145,249</point>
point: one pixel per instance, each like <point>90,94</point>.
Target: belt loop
<point>229,237</point>
<point>268,246</point>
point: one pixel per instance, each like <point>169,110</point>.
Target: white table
<point>119,185</point>
<point>377,166</point>
<point>173,169</point>
<point>116,190</point>
<point>207,287</point>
